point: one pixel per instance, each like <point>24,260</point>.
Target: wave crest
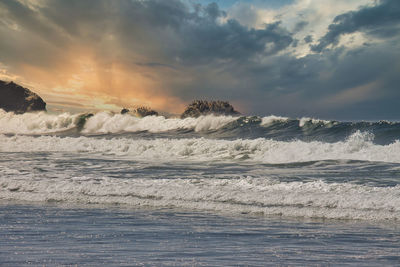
<point>35,123</point>
<point>115,123</point>
<point>358,146</point>
<point>104,123</point>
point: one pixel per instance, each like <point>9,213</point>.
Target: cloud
<point>139,43</point>
<point>231,41</point>
<point>165,53</point>
<point>381,20</point>
<point>308,39</point>
<point>300,25</point>
<point>300,17</point>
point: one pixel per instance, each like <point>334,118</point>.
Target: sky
<point>331,59</point>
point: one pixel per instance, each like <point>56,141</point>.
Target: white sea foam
<point>358,146</point>
<point>245,195</point>
<point>104,122</point>
<point>266,121</point>
<point>303,121</point>
<point>35,123</point>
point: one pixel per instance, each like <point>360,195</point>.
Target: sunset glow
<point>281,57</point>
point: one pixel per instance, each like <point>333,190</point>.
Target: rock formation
<point>124,110</point>
<point>204,107</point>
<point>140,112</point>
<point>15,98</point>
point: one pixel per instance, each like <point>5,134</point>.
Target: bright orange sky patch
<point>100,86</point>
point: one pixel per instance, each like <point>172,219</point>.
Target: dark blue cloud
<point>167,30</point>
<point>308,39</point>
<point>300,25</point>
<point>381,20</point>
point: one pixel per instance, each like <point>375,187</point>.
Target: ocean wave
<point>35,123</point>
<point>266,121</point>
<point>306,120</point>
<point>221,127</point>
<point>358,146</point>
<point>241,195</point>
<point>104,122</point>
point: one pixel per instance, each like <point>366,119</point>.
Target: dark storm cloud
<point>29,20</point>
<point>324,84</point>
<point>166,30</point>
<point>34,41</point>
<point>208,41</point>
<point>308,39</point>
<point>300,25</point>
<point>195,51</point>
<point>162,32</point>
<point>381,20</point>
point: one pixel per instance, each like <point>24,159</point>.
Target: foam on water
<point>35,123</point>
<point>305,120</point>
<point>223,127</point>
<point>266,121</point>
<point>244,195</point>
<point>264,194</point>
<point>104,122</point>
<point>358,146</point>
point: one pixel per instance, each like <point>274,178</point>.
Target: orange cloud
<point>79,77</point>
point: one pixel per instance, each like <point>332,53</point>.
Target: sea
<point>107,189</point>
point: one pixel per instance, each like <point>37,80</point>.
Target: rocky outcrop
<point>140,112</point>
<point>145,111</point>
<point>204,107</point>
<point>124,111</point>
<point>15,98</point>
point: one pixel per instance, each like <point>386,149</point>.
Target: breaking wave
<point>116,123</point>
<point>35,123</point>
<point>64,143</point>
<point>358,146</point>
<point>215,127</point>
<point>103,123</point>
